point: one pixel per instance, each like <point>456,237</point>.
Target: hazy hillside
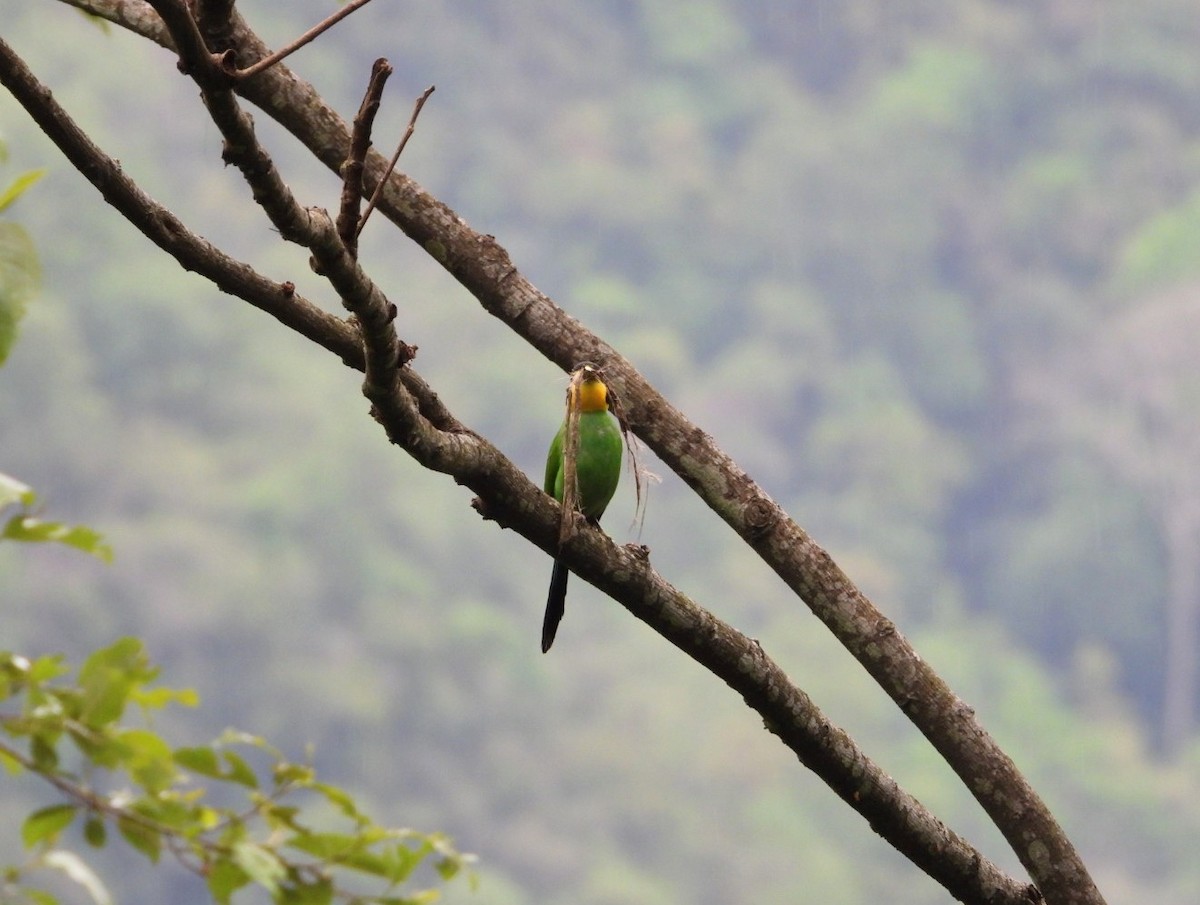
<point>900,259</point>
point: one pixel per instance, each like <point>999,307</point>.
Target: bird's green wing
<point>599,462</point>
<point>554,464</point>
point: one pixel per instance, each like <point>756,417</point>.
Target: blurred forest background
<point>928,270</point>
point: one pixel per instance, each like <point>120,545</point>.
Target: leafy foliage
<point>19,271</point>
<point>25,526</point>
<point>280,828</point>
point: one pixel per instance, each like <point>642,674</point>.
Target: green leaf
<point>20,275</point>
<point>145,839</point>
<point>314,892</point>
<point>168,812</point>
<point>326,846</point>
<point>39,896</point>
<point>279,816</point>
<point>95,831</point>
<point>339,798</point>
<point>289,774</point>
<point>233,830</point>
<point>25,527</point>
<point>158,698</point>
<point>199,760</point>
<point>205,819</point>
<point>100,747</point>
<point>45,755</point>
<point>34,530</point>
<point>148,759</point>
<point>402,861</point>
<point>43,669</point>
<point>341,849</point>
<point>18,187</point>
<point>108,677</point>
<point>224,879</point>
<point>239,771</point>
<point>448,868</point>
<point>44,825</point>
<point>14,674</point>
<point>261,864</point>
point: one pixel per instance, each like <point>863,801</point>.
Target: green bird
<point>588,443</point>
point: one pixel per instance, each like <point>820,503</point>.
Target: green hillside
<point>895,258</point>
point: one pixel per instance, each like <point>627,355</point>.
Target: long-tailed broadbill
<point>588,445</point>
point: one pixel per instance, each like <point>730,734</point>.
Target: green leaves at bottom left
<point>43,826</point>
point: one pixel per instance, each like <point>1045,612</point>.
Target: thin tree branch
<point>295,223</point>
<point>309,36</point>
<point>164,229</point>
<point>408,132</point>
<point>161,226</point>
<point>360,143</point>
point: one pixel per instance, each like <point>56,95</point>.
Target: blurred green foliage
<point>24,526</point>
<point>301,840</point>
<point>19,270</point>
<point>853,241</point>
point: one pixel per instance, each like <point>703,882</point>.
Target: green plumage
<point>598,469</point>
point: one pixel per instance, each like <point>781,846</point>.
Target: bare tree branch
<point>308,37</point>
<point>408,133</point>
<point>360,143</point>
<point>161,226</point>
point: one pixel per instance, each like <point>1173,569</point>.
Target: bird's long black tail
<point>555,604</point>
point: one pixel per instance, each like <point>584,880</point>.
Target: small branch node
<point>226,62</point>
<point>639,551</point>
<point>405,352</point>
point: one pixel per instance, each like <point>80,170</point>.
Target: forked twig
<point>310,35</point>
<point>412,124</point>
<point>360,143</point>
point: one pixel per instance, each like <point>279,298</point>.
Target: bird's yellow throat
<point>593,395</point>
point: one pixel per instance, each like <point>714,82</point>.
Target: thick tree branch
<point>136,16</point>
<point>481,265</point>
